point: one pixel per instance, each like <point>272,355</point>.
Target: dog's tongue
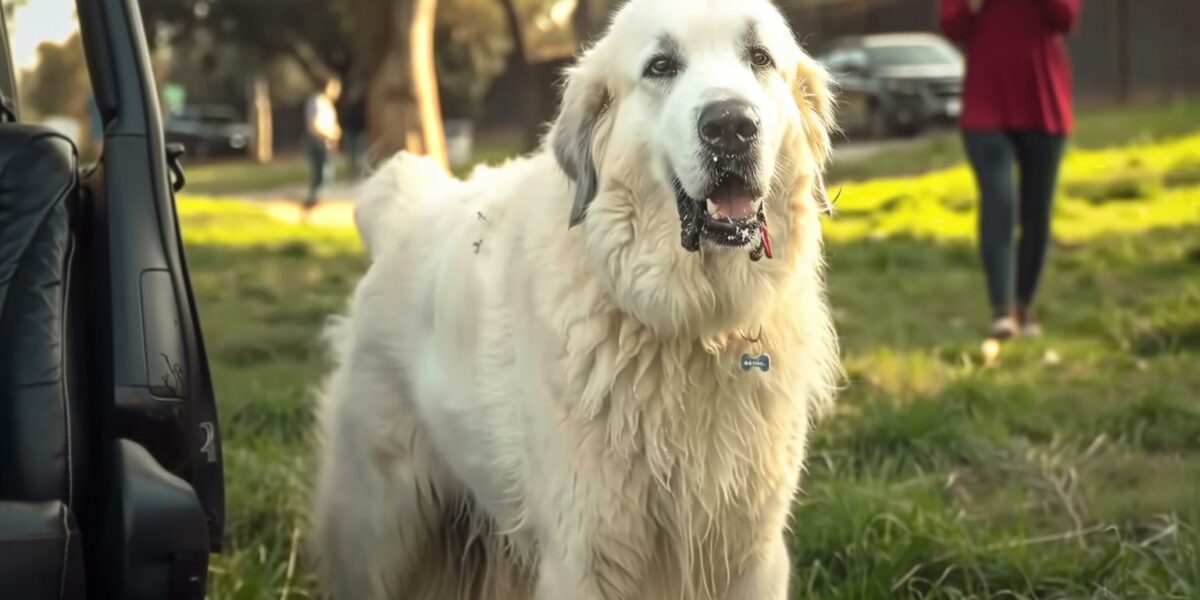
<point>733,200</point>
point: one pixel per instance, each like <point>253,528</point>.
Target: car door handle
<point>175,152</point>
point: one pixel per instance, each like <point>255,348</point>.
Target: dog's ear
<point>573,137</point>
<point>813,89</point>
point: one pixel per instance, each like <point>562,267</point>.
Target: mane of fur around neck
<point>710,448</point>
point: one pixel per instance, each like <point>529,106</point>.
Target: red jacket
<point>1018,71</point>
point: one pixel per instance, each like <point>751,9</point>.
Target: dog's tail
<point>392,193</point>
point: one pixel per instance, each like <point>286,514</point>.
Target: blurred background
<point>1068,467</point>
<point>476,78</point>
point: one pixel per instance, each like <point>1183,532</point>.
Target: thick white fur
<point>522,410</point>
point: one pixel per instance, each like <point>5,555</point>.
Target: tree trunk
<point>260,102</point>
<point>581,21</point>
<point>525,87</point>
<point>314,69</point>
<point>403,111</point>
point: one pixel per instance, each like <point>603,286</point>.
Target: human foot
<point>1003,328</point>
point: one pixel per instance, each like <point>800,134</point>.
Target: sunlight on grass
<point>1104,192</point>
<point>1126,190</point>
<point>226,222</point>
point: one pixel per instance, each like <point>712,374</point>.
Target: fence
<point>1123,50</point>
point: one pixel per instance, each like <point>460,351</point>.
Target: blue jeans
<point>1003,202</point>
<point>320,169</point>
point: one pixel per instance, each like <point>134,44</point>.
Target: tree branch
<point>513,19</point>
<point>314,68</point>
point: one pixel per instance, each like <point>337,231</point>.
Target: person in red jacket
<point>1016,114</point>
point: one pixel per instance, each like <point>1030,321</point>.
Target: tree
<point>227,48</point>
<point>394,39</point>
<point>472,49</point>
<point>581,21</point>
<point>59,85</point>
<point>312,33</point>
<point>10,7</point>
<point>388,43</point>
<point>522,73</point>
<point>591,17</point>
<point>533,96</point>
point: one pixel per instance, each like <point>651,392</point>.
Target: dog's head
<point>696,132</point>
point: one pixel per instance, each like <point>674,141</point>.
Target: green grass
<point>246,176</point>
<point>1071,470</point>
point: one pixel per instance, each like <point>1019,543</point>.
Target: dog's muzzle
<point>730,215</point>
<point>730,211</point>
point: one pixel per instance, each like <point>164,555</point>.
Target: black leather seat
<point>40,551</point>
<point>42,396</point>
<point>111,481</point>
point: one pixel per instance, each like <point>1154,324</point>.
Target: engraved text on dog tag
<point>756,362</point>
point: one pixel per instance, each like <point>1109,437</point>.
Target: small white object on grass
<point>991,351</point>
<point>1051,357</point>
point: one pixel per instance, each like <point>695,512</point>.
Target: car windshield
<point>907,55</point>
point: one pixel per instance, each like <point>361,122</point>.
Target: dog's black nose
<point>729,126</point>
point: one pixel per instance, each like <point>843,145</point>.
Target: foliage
<point>1069,471</point>
<point>311,32</point>
<point>476,43</point>
<point>10,6</point>
<point>472,44</point>
<point>59,85</point>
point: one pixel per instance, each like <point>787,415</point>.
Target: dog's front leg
<point>597,554</point>
<point>590,576</point>
<point>766,578</point>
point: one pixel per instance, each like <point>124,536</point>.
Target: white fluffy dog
<point>553,382</point>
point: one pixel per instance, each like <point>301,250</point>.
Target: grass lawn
<point>1071,470</point>
<point>245,176</point>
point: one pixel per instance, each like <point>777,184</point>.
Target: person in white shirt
<point>323,134</point>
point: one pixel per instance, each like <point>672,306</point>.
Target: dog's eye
<point>662,67</point>
<point>761,59</point>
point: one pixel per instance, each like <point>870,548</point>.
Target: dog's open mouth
<point>730,215</point>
